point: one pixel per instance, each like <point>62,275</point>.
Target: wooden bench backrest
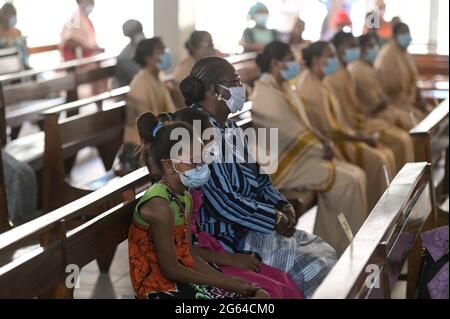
<point>65,138</point>
<point>431,135</point>
<point>4,216</point>
<point>432,64</point>
<point>42,268</point>
<point>385,239</point>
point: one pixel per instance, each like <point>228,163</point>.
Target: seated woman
<point>343,87</point>
<point>162,264</point>
<point>305,156</point>
<point>278,284</point>
<point>147,92</point>
<point>255,39</point>
<point>200,45</point>
<point>242,209</point>
<point>398,73</point>
<point>327,115</point>
<point>369,90</point>
<point>10,36</point>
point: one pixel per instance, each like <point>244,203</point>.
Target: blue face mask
<point>352,55</point>
<point>165,61</point>
<point>332,66</point>
<point>404,40</point>
<point>291,72</point>
<point>196,177</point>
<point>371,54</point>
<point>12,21</point>
<point>261,19</point>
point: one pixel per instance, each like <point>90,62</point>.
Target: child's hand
<point>245,261</point>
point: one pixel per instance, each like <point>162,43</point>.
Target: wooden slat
<point>346,279</point>
<point>4,216</point>
<point>39,226</point>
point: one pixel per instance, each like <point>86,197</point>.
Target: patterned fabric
<point>305,257</point>
<point>146,276</point>
<point>238,198</point>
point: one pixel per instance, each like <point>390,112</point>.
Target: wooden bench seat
<point>387,239</point>
<point>431,144</point>
<point>42,271</point>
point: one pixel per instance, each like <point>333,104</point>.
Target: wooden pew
<point>30,149</point>
<point>246,67</point>
<point>63,139</point>
<point>43,269</point>
<point>386,240</point>
<point>29,95</point>
<point>431,64</point>
<point>431,142</point>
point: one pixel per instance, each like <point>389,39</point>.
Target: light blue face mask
<point>292,71</point>
<point>165,61</point>
<point>404,40</point>
<point>12,21</point>
<point>332,66</point>
<point>196,177</point>
<point>352,54</point>
<point>371,54</point>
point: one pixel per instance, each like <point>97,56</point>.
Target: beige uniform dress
<point>370,95</point>
<point>326,115</point>
<point>341,186</point>
<point>398,140</point>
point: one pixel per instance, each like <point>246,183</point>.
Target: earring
<point>172,173</point>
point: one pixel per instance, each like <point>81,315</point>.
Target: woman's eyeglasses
<point>236,80</point>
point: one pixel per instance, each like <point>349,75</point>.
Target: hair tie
<point>157,128</point>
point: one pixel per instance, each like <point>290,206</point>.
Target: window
<point>42,21</point>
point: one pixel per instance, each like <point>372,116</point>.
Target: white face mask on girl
<point>237,99</point>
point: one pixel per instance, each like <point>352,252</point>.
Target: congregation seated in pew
<point>369,90</point>
<point>343,87</point>
<point>241,207</point>
<point>327,115</point>
<point>306,159</point>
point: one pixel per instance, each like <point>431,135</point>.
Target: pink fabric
<point>278,284</point>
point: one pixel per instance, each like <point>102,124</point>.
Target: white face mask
<point>237,99</point>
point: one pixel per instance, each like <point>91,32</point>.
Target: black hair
<point>189,115</point>
<point>365,39</point>
<point>156,144</point>
<point>315,49</point>
<point>146,48</point>
<point>205,73</point>
<point>274,50</point>
<point>195,39</point>
<point>397,26</point>
<point>340,37</point>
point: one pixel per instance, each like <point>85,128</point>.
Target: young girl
<point>247,266</point>
<point>161,263</point>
